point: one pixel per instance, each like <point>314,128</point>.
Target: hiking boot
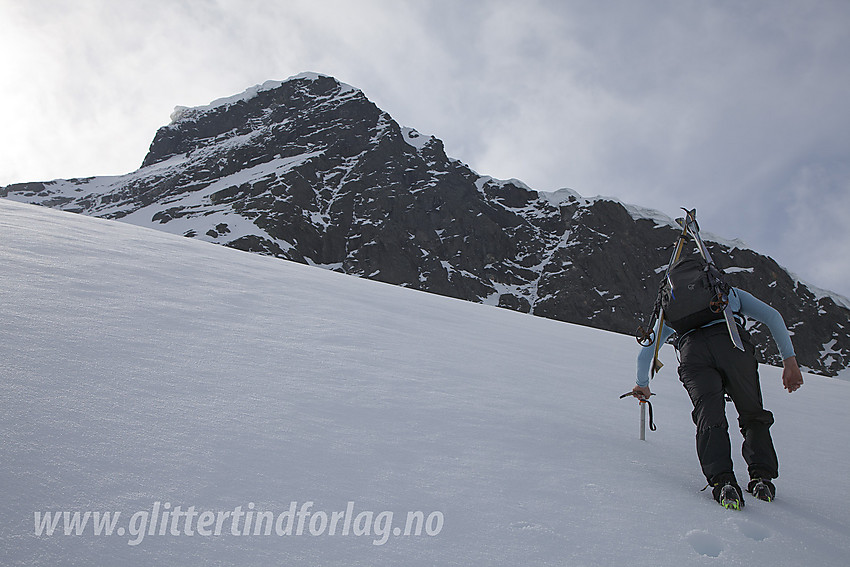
<point>728,494</point>
<point>762,489</point>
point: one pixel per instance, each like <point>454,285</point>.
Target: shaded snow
<point>140,367</point>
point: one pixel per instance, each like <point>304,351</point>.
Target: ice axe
<point>644,403</point>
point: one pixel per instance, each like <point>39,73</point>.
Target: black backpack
<point>691,293</point>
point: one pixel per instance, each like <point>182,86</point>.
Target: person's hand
<point>641,392</point>
<point>792,378</point>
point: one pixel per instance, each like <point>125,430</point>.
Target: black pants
<point>710,367</point>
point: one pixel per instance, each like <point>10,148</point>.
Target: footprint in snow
<point>704,543</point>
<point>753,530</point>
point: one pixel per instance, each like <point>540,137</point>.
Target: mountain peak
<point>255,108</point>
<point>181,112</point>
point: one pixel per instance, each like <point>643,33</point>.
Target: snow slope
<point>141,369</point>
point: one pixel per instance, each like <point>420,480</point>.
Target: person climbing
<point>712,367</point>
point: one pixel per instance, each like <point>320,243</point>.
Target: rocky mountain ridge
<point>310,170</point>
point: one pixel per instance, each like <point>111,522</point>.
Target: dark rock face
<point>310,170</point>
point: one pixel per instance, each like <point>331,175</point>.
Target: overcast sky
<point>738,108</point>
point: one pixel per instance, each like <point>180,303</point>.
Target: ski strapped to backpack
<point>703,295</point>
<point>649,335</point>
<point>722,301</point>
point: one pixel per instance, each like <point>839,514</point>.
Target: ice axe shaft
<point>644,403</point>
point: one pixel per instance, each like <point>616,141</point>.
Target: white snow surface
<point>141,368</point>
<point>414,138</point>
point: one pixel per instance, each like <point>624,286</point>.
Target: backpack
<point>690,293</point>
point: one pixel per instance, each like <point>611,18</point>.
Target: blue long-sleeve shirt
<point>741,302</point>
